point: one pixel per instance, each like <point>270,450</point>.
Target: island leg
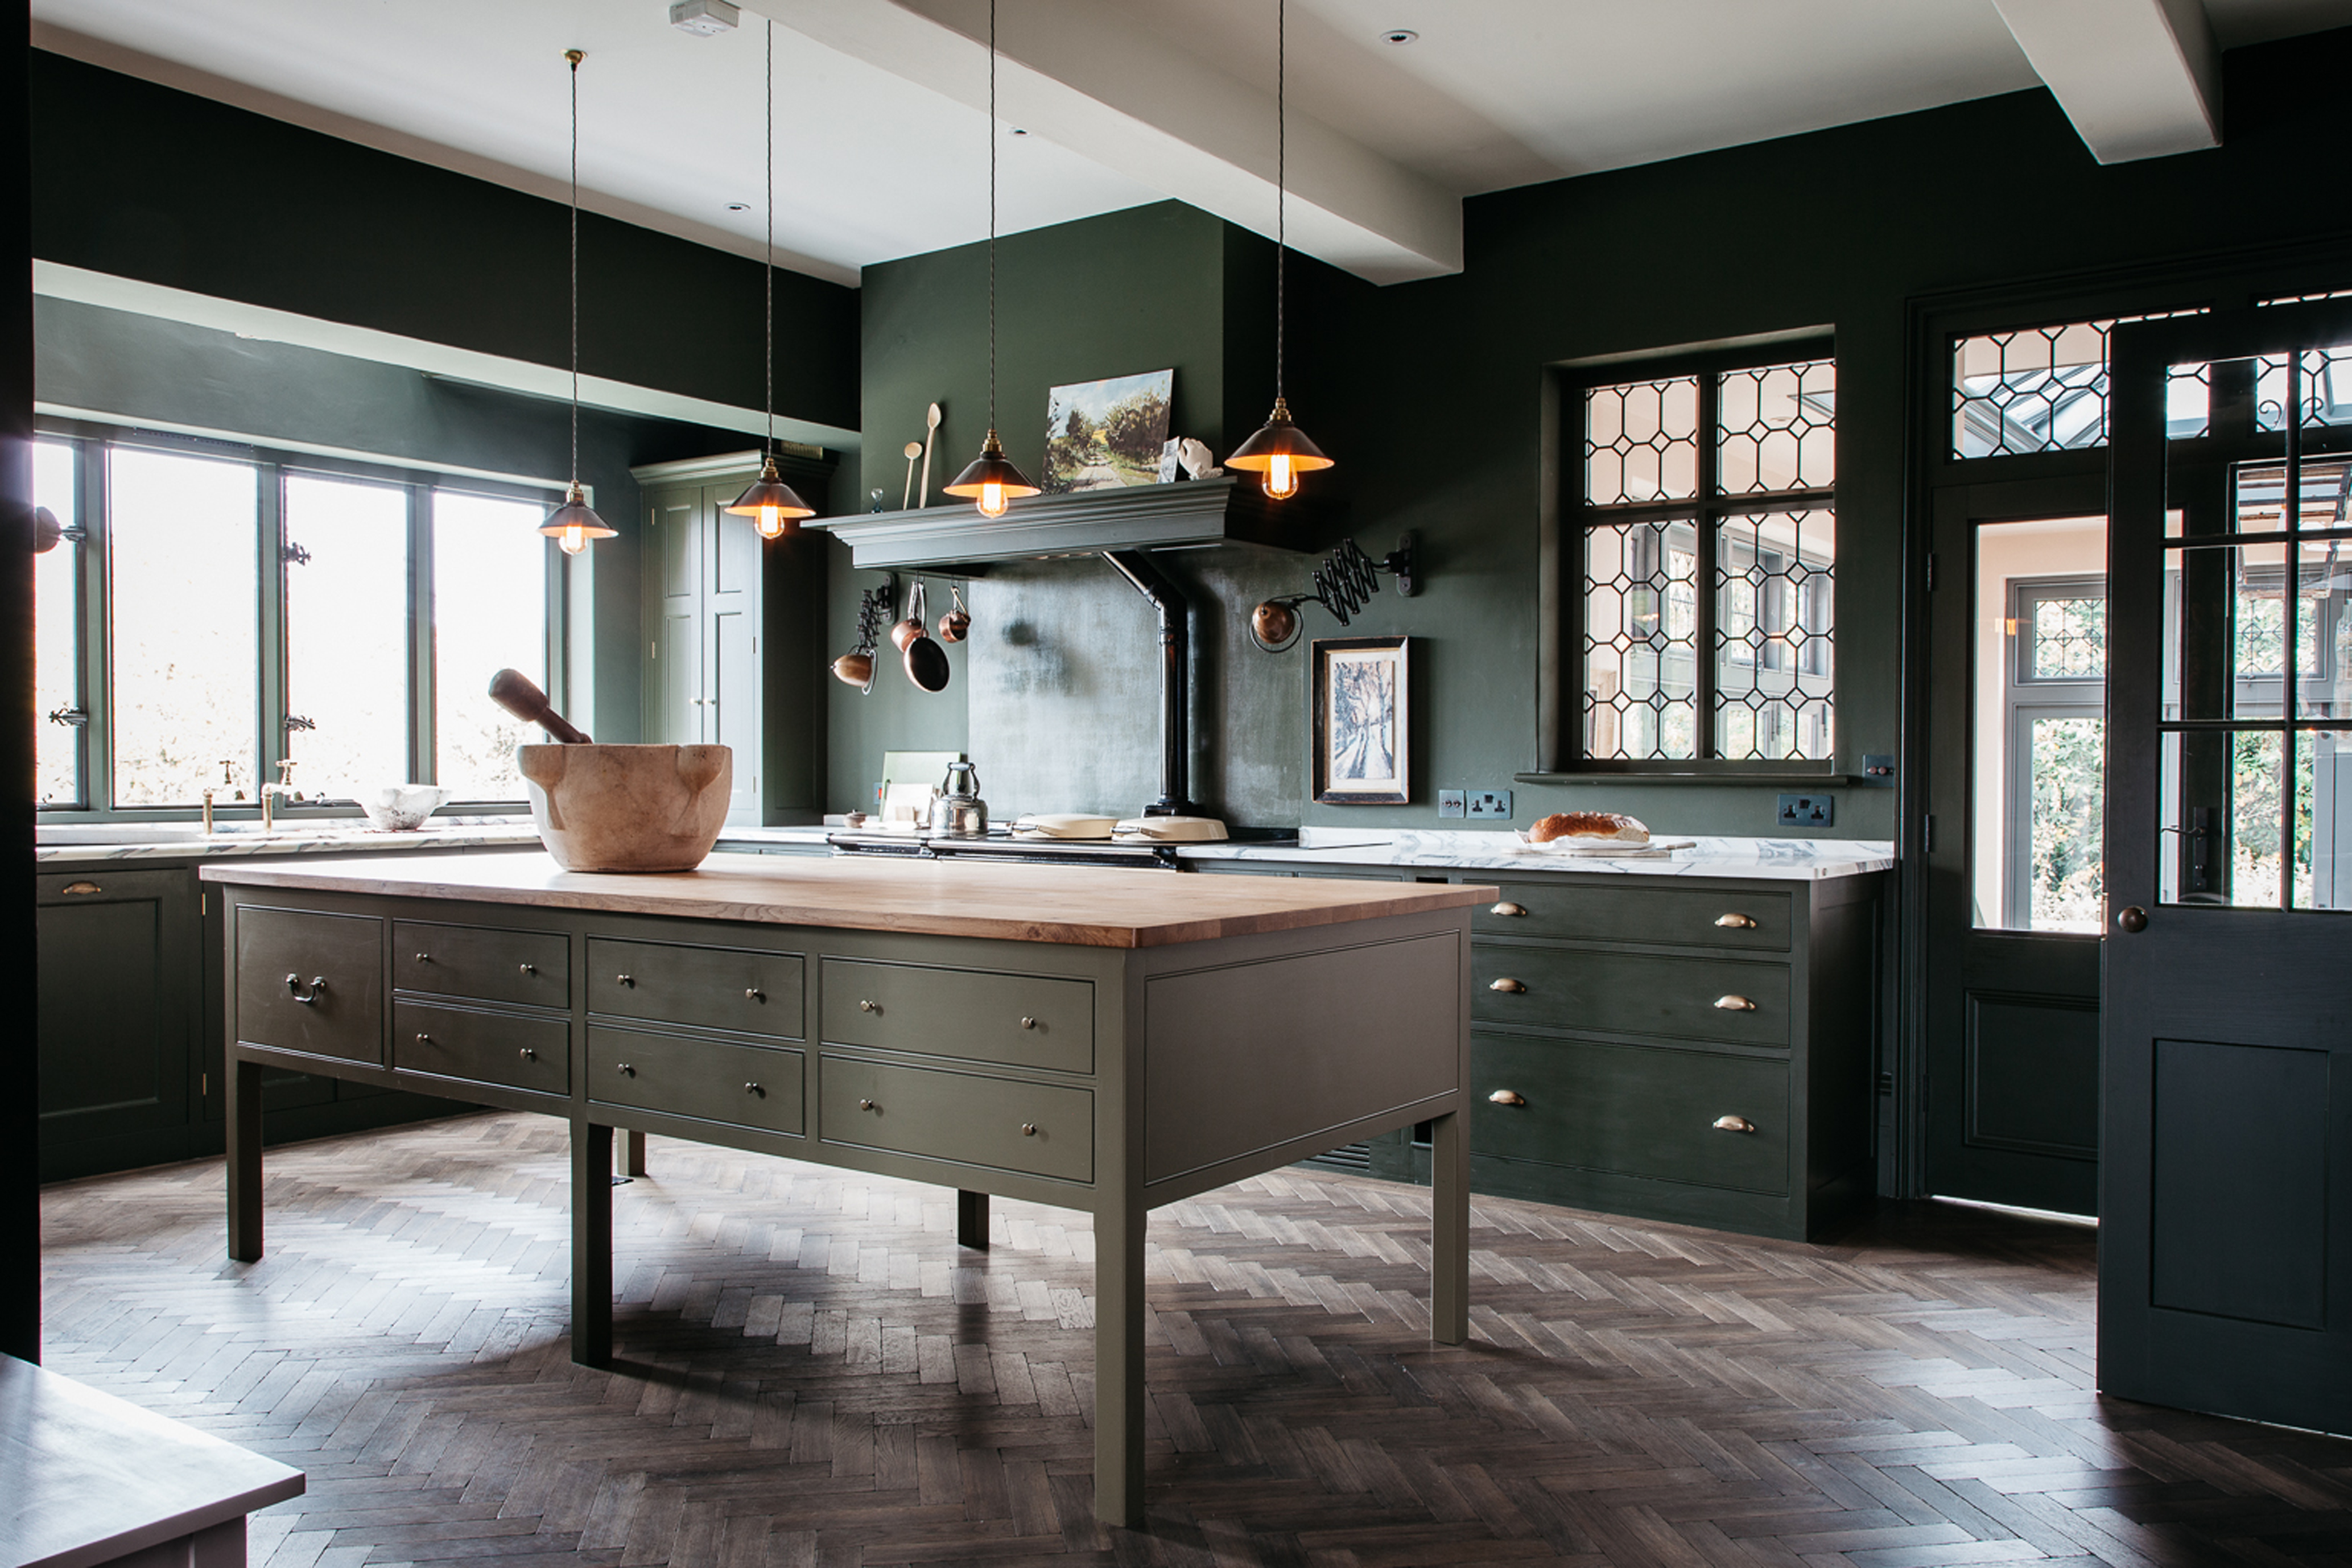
<point>1118,1363</point>
<point>1449,1228</point>
<point>592,1244</point>
<point>243,1131</point>
<point>972,1220</point>
<point>633,1153</point>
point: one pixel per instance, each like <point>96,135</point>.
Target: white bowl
<point>402,809</point>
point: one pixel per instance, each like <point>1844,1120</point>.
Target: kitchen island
<point>1104,1040</point>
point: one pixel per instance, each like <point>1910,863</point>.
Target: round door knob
<point>1028,1023</point>
<point>1734,1124</point>
<point>1735,922</point>
<point>1507,1097</point>
<point>1734,1004</point>
<point>628,980</point>
<point>2132,919</point>
<point>530,969</point>
<point>1028,1130</point>
<point>865,1105</point>
<point>529,1055</point>
<point>869,1007</point>
<point>1514,986</point>
<point>627,1070</point>
<point>755,1088</point>
<point>1508,909</point>
<point>753,993</point>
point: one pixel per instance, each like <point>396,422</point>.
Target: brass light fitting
<point>1281,451</point>
<point>990,479</point>
<point>574,523</point>
<point>772,504</point>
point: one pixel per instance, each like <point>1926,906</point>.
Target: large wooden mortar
<point>628,808</point>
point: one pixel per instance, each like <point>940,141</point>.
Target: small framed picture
<point>1363,738</point>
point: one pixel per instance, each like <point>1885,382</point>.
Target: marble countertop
<point>89,843</point>
<point>1496,850</point>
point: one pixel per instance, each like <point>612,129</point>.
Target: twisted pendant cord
<point>768,274</point>
<point>1281,173</point>
<point>991,217</point>
<point>575,268</point>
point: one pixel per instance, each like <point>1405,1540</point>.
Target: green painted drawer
<point>958,1116</point>
<point>334,961</point>
<point>1631,992</point>
<point>1689,916</point>
<point>747,1086</point>
<point>482,1047</point>
<point>1022,1020</point>
<point>532,968</point>
<point>719,987</point>
<point>1637,1110</point>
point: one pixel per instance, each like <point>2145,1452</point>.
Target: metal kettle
<point>957,810</point>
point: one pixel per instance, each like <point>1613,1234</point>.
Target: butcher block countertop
<point>1085,906</point>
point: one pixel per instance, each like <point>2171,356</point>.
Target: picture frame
<point>1363,721</point>
<point>1108,434</point>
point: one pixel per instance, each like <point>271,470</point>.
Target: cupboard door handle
<point>1508,908</point>
<point>1507,1097</point>
<point>1028,1023</point>
<point>754,994</point>
<point>1735,922</point>
<point>294,988</point>
<point>1516,986</point>
<point>755,1088</point>
<point>529,1055</point>
<point>81,890</point>
<point>628,980</point>
<point>869,1007</point>
<point>1734,1004</point>
<point>1734,1124</point>
<point>1028,1130</point>
<point>624,1069</point>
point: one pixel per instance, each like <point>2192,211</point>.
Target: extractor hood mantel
<point>1086,522</point>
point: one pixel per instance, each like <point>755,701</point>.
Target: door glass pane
<point>2260,493</point>
<point>1641,641</point>
<point>2324,580</point>
<point>182,549</point>
<point>2037,732</point>
<point>347,634</point>
<point>2223,818</point>
<point>57,633</point>
<point>2226,631</point>
<point>490,613</point>
<point>1774,686</point>
<point>2323,820</point>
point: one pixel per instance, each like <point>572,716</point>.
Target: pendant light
<point>776,509</point>
<point>991,480</point>
<point>1280,450</point>
<point>573,524</point>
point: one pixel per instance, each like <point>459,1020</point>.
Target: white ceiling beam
<point>1079,74</point>
<point>2139,79</point>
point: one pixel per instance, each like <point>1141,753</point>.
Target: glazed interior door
<point>2016,778</point>
<point>2225,1263</point>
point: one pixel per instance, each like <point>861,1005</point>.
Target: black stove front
<point>1000,845</point>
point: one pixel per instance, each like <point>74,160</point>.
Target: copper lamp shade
<point>773,505</point>
<point>991,479</point>
<point>574,523</point>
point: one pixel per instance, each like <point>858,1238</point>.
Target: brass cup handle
<point>754,993</point>
<point>1735,922</point>
<point>869,1007</point>
<point>2133,920</point>
<point>1507,1097</point>
<point>1734,1124</point>
<point>311,998</point>
<point>81,890</point>
<point>1734,1004</point>
<point>1507,908</point>
<point>529,1055</point>
<point>1513,986</point>
<point>1028,1130</point>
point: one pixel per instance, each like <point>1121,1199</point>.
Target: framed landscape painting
<point>1363,740</point>
<point>1106,435</point>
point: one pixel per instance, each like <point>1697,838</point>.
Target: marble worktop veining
<point>92,844</point>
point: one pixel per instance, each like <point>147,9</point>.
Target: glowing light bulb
<point>991,500</point>
<point>772,522</point>
<point>1281,478</point>
<point>574,539</point>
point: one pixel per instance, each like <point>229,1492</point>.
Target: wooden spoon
<point>914,450</point>
<point>930,429</point>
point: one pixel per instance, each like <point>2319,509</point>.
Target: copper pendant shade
<point>772,504</point>
<point>990,479</point>
<point>1280,450</point>
<point>574,523</point>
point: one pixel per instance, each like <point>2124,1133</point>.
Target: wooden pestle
<point>514,692</point>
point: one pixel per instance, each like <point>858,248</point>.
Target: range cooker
<point>1000,845</point>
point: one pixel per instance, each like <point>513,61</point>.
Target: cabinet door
<point>674,557</point>
<point>117,994</point>
<point>730,666</point>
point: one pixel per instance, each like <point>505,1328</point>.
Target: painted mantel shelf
<point>1139,517</point>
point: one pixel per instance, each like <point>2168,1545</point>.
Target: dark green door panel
<point>117,993</point>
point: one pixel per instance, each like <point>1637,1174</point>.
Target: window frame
<point>1567,518</point>
<point>91,441</point>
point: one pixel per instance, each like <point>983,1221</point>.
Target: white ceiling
<point>881,146</point>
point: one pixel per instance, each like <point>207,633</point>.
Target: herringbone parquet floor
<point>813,1374</point>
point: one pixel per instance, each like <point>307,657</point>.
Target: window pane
<point>2220,791</point>
<point>186,640</point>
<point>1641,441</point>
<point>2066,763</point>
<point>1775,632</point>
<point>347,634</point>
<point>1641,641</point>
<point>57,632</point>
<point>2045,389</point>
<point>490,613</point>
<point>1778,426</point>
<point>2323,826</point>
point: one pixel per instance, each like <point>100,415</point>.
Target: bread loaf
<point>1603,826</point>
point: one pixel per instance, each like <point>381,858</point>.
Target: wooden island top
<point>1086,906</point>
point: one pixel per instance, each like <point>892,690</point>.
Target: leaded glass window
<point>1709,566</point>
<point>2045,389</point>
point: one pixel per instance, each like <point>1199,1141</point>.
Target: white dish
<point>1064,824</point>
<point>1604,848</point>
<point>403,808</point>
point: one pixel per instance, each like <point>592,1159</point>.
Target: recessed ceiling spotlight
<point>1399,36</point>
<point>738,206</point>
<point>1019,130</point>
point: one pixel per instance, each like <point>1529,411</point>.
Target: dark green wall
<point>145,182</point>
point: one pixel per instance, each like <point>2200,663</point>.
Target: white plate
<point>1587,849</point>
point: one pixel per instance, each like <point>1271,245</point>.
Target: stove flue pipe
<point>1175,612</point>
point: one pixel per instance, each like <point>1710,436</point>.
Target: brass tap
<point>285,786</point>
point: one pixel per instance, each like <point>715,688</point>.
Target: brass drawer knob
<point>1508,909</point>
<point>625,1070</point>
<point>754,993</point>
<point>529,1055</point>
<point>1507,1097</point>
<point>1734,1004</point>
<point>1516,986</point>
<point>1735,922</point>
<point>424,1039</point>
<point>1028,1130</point>
<point>1028,1023</point>
<point>755,1088</point>
<point>865,1105</point>
<point>424,958</point>
<point>628,980</point>
<point>309,997</point>
<point>530,969</point>
<point>1734,1124</point>
<point>869,1007</point>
